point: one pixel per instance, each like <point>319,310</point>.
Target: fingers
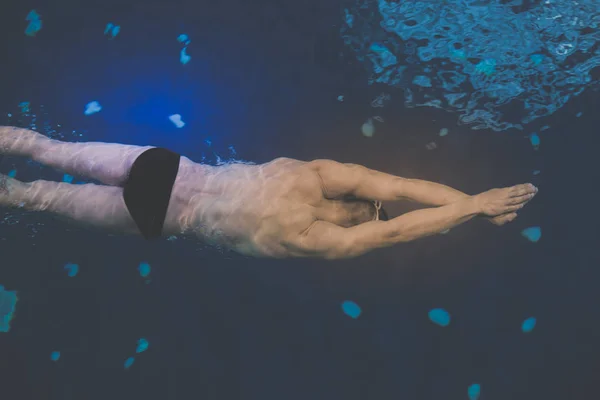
<point>521,190</point>
<point>520,199</point>
<point>516,207</point>
<point>503,219</point>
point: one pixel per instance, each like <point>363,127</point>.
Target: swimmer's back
<point>253,208</point>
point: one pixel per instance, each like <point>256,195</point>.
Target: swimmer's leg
<point>108,163</point>
<point>89,205</point>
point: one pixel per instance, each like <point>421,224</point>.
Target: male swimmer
<point>284,208</point>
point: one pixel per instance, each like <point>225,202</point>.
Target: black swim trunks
<point>148,187</point>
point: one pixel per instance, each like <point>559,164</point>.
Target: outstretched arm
<point>329,241</point>
<point>352,179</point>
<point>323,239</point>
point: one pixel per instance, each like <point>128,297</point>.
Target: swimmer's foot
<point>19,141</point>
<point>497,202</point>
<point>8,191</point>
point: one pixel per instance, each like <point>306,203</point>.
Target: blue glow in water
<point>184,58</point>
<point>129,362</point>
<point>533,234</point>
<point>439,316</point>
<point>142,345</point>
<point>176,120</point>
<point>349,18</point>
<point>486,67</point>
<point>24,106</point>
<point>35,23</point>
<point>32,16</point>
<point>536,172</point>
<point>422,81</point>
<point>12,173</point>
<point>443,131</point>
<point>183,38</point>
<point>55,355</point>
<point>535,140</point>
<point>92,108</point>
<point>72,269</point>
<point>579,114</point>
<point>8,304</point>
<point>536,59</point>
<point>67,178</point>
<point>144,269</point>
<point>528,325</point>
<point>381,57</point>
<point>474,391</point>
<point>112,30</point>
<point>351,309</point>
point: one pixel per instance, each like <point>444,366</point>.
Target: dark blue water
<point>176,320</point>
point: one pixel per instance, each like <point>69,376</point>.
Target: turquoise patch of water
<point>439,316</point>
<point>533,234</point>
<point>92,108</point>
<point>8,304</point>
<point>184,58</point>
<point>183,38</point>
<point>72,269</point>
<point>537,58</point>
<point>528,325</point>
<point>35,23</point>
<point>351,309</point>
<point>535,140</point>
<point>144,269</point>
<point>176,120</point>
<point>474,391</point>
<point>142,345</point>
<point>129,362</point>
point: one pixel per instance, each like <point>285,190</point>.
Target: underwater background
<point>472,94</point>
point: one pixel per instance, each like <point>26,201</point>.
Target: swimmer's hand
<point>500,220</point>
<point>497,203</point>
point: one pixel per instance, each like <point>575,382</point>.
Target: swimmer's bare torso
<point>255,209</point>
<point>322,208</point>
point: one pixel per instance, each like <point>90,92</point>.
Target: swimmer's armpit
<point>339,179</point>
